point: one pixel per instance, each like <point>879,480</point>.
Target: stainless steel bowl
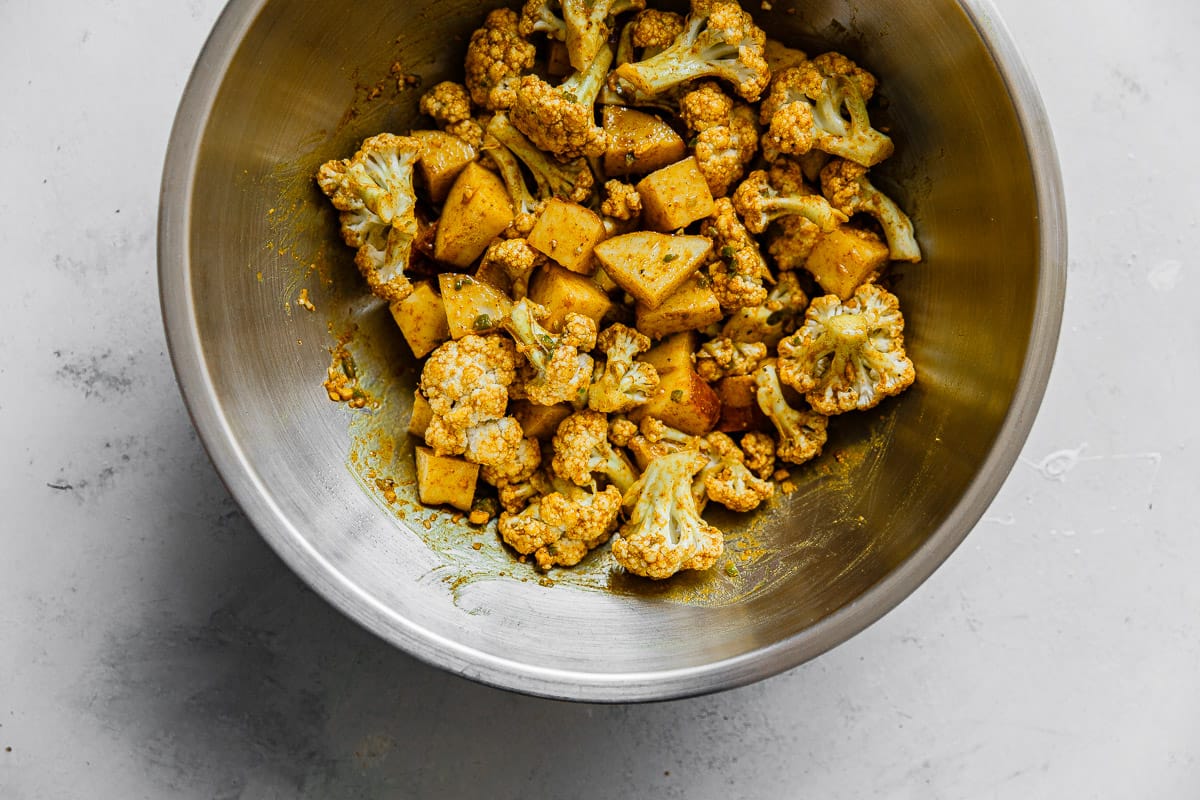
<point>284,84</point>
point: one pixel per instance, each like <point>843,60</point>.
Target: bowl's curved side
<point>275,514</point>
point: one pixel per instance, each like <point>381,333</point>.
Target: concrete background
<point>152,646</point>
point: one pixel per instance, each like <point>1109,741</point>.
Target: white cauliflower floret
<point>561,527</point>
<point>848,355</point>
<point>519,469</point>
<point>802,434</point>
<point>466,384</point>
<point>373,190</point>
<point>774,319</point>
<point>727,480</point>
<point>738,269</point>
<point>561,372</point>
<point>723,357</point>
<point>759,449</point>
<point>582,451</point>
<point>665,532</point>
<point>625,383</point>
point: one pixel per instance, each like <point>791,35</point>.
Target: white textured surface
<point>152,646</point>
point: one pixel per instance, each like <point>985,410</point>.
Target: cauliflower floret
<point>466,384</point>
<point>802,434</point>
<point>449,104</point>
<point>791,241</point>
<point>561,371</point>
<point>517,259</point>
<point>582,451</point>
<point>722,357</point>
<point>725,135</point>
<point>562,119</point>
<point>759,449</point>
<point>373,190</point>
<point>848,355</point>
<point>625,383</point>
<point>560,528</point>
<point>621,201</point>
<point>621,431</point>
<point>808,106</point>
<point>653,31</point>
<point>518,470</point>
<point>665,532</point>
<point>571,180</point>
<point>727,480</point>
<point>655,438</point>
<point>496,57</point>
<point>719,40</point>
<point>846,186</point>
<point>774,319</point>
<point>759,204</point>
<point>539,16</point>
<point>738,269</point>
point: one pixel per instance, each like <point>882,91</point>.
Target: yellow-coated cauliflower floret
<point>848,355</point>
<point>466,384</point>
<point>738,269</point>
<point>822,104</point>
<point>559,368</point>
<point>759,203</point>
<point>802,433</point>
<point>519,469</point>
<point>725,135</point>
<point>727,480</point>
<point>373,190</point>
<point>722,357</point>
<point>654,30</point>
<point>665,533</point>
<point>560,528</point>
<point>621,431</point>
<point>582,451</point>
<point>759,449</point>
<point>449,105</point>
<point>846,186</point>
<point>517,259</point>
<point>621,201</point>
<point>774,319</point>
<point>496,57</point>
<point>562,119</point>
<point>625,383</point>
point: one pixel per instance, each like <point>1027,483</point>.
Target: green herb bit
<point>727,251</point>
<point>669,257</point>
<point>677,396</point>
<point>482,322</point>
<point>730,569</point>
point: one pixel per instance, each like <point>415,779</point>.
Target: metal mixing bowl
<point>283,85</point>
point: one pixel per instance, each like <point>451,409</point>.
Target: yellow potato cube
<point>422,415</point>
<point>567,233</point>
<point>471,306</point>
<point>845,258</point>
<point>674,352</point>
<point>691,306</point>
<point>684,401</point>
<point>638,142</point>
<point>675,196</point>
<point>650,265</point>
<point>739,404</point>
<point>422,319</point>
<point>477,209</point>
<point>443,156</point>
<point>445,480</point>
<point>562,291</point>
<point>540,422</point>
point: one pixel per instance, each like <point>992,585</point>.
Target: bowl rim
<point>254,497</point>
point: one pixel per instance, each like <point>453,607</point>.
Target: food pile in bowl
<point>642,259</point>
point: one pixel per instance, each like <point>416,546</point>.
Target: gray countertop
<point>151,645</point>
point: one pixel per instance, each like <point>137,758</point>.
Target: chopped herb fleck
<point>630,157</point>
<point>775,317</point>
<point>669,257</point>
<point>730,569</point>
<point>482,322</point>
<point>458,284</point>
<point>677,396</point>
<point>727,251</point>
<point>547,340</point>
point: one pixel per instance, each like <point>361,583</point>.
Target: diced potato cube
<point>540,422</point>
<point>493,274</point>
<point>558,62</point>
<point>674,352</point>
<point>422,319</point>
<point>652,265</point>
<point>445,480</point>
<point>471,306</point>
<point>477,209</point>
<point>739,404</point>
<point>691,306</point>
<point>562,291</point>
<point>567,232</point>
<point>443,156</point>
<point>675,196</point>
<point>845,258</point>
<point>684,401</point>
<point>638,142</point>
<point>422,415</point>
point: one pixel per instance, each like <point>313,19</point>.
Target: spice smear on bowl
<point>640,257</point>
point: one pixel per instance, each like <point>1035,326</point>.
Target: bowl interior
<point>284,86</point>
